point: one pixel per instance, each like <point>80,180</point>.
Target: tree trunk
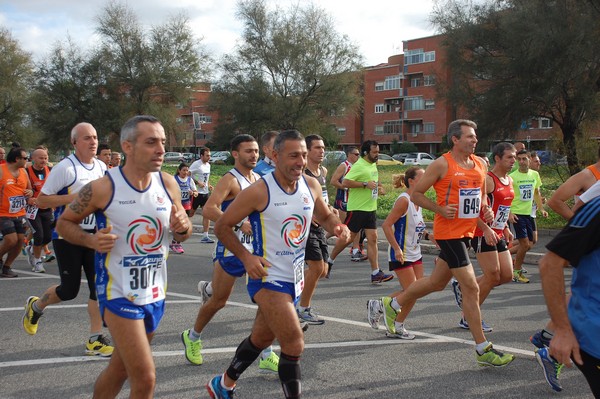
<point>569,131</point>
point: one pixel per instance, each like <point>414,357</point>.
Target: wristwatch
<point>365,184</point>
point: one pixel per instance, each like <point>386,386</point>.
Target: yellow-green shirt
<point>362,198</point>
<point>524,185</point>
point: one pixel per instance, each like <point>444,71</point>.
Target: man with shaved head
<point>68,177</point>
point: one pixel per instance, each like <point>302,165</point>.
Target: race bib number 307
<point>143,277</point>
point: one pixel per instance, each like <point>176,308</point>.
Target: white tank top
<point>408,231</point>
<point>246,240</point>
<point>281,230</point>
<point>136,267</point>
<point>68,177</point>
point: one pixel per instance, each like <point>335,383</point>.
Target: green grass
<point>552,178</point>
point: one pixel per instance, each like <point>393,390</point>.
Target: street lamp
<point>197,125</point>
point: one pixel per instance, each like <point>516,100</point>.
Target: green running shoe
<point>492,357</point>
<point>390,314</point>
<point>269,364</point>
<point>192,349</point>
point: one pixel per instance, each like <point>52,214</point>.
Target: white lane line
<point>429,338</point>
<point>84,305</point>
<point>230,349</point>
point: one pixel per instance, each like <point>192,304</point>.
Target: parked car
<point>385,160</point>
<point>334,157</point>
<point>419,158</point>
<point>173,157</point>
<point>400,157</point>
<point>219,157</point>
<point>551,158</point>
<point>189,157</point>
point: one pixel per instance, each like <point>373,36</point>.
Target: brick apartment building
<point>400,104</point>
<point>195,124</point>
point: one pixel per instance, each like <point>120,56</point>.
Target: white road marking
<point>427,338</point>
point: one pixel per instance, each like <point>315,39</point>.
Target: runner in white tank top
<point>62,185</point>
<point>404,229</point>
<point>280,206</point>
<point>139,204</point>
<point>227,267</point>
<point>136,268</point>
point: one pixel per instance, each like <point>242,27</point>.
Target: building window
<point>378,130</point>
<point>415,128</point>
<point>545,123</point>
<point>413,103</point>
<point>429,104</point>
<point>418,56</point>
<point>379,108</point>
<point>178,106</point>
<point>429,80</point>
<point>415,82</point>
<point>392,127</point>
<point>429,127</point>
<point>392,83</point>
<point>378,86</point>
<point>341,131</point>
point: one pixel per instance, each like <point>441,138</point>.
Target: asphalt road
<point>344,358</point>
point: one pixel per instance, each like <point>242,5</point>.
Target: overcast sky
<point>377,27</point>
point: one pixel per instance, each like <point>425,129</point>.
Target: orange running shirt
<point>13,201</point>
<point>462,187</point>
<point>595,171</point>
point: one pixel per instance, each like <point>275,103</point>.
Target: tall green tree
<point>15,76</point>
<point>512,60</point>
<point>132,71</point>
<point>292,69</point>
<point>67,91</point>
<point>149,71</point>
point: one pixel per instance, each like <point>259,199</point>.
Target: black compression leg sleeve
<point>244,356</point>
<point>290,376</point>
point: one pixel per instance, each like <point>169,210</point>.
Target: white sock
<point>480,348</point>
<point>394,304</point>
<point>37,260</point>
<point>329,260</point>
<point>398,325</point>
<point>374,272</point>
<point>355,251</point>
<point>223,383</point>
<point>266,353</point>
<point>194,335</point>
<point>209,289</point>
<point>302,308</point>
<point>206,234</point>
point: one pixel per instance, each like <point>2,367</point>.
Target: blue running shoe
<point>207,240</point>
<point>216,391</point>
<point>381,277</point>
<point>539,341</point>
<point>484,326</point>
<point>551,368</point>
<point>457,292</point>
